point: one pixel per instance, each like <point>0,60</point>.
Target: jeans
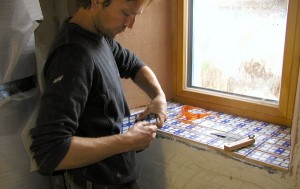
<point>70,184</point>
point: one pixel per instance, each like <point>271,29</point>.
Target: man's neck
<point>83,18</point>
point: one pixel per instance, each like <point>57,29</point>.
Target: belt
<point>17,86</point>
<point>90,185</point>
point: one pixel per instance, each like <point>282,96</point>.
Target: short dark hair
<point>87,3</point>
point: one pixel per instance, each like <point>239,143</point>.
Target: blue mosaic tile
<point>131,120</point>
<point>172,115</point>
<point>211,118</point>
<point>207,123</point>
<point>193,136</point>
<point>281,135</point>
<point>190,127</point>
<point>224,128</point>
<point>279,142</point>
<point>174,108</point>
<point>268,126</point>
<point>175,122</point>
<point>241,125</point>
<point>268,159</point>
<point>173,105</point>
<point>204,139</point>
<point>244,151</point>
<point>203,130</point>
<point>275,150</point>
<point>224,121</point>
<point>217,143</point>
<point>284,128</point>
<point>261,130</point>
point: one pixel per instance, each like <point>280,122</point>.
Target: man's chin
<point>116,35</point>
<point>112,36</point>
<point>109,36</point>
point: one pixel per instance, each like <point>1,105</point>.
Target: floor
<point>212,130</point>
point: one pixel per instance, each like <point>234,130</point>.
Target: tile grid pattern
<point>272,142</point>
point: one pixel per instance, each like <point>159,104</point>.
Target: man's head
<point>111,17</point>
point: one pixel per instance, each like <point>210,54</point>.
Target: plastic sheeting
<point>17,25</point>
<point>18,60</point>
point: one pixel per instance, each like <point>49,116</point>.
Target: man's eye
<point>126,14</point>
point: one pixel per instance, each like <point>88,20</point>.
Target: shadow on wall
<point>151,173</point>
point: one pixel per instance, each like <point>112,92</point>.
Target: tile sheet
<point>272,142</point>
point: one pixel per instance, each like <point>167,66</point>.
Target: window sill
<point>270,150</point>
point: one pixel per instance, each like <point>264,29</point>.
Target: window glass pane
<point>237,46</point>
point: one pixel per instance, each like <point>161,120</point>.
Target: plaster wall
<point>151,40</point>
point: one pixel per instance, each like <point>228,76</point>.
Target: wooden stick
<point>239,144</point>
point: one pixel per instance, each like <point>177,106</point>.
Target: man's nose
<point>129,22</point>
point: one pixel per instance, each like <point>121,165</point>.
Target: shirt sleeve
<point>127,62</point>
<point>68,79</point>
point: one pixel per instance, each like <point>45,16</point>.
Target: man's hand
<point>140,135</point>
<point>157,106</point>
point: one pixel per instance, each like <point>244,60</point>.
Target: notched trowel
<point>235,142</point>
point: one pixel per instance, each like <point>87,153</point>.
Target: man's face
<point>117,17</point>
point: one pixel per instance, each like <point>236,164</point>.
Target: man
<point>83,104</point>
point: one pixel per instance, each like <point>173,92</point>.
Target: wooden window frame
<point>277,114</point>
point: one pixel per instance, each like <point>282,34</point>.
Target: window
<point>237,47</point>
<point>257,42</point>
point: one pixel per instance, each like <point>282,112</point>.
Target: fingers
<point>146,127</point>
<point>144,114</point>
<point>151,128</point>
<point>157,107</point>
<point>142,134</point>
<point>160,113</point>
<point>161,119</point>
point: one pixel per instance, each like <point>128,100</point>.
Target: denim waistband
<point>86,184</point>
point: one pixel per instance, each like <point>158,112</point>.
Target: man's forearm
<point>148,82</point>
<point>86,151</point>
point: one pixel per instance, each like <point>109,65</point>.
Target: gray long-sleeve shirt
<point>84,97</point>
